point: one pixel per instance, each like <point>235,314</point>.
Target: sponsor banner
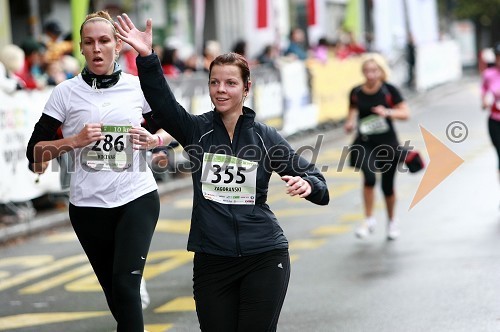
<point>331,83</point>
<point>18,115</point>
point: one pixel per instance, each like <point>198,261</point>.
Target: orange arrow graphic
<point>442,162</point>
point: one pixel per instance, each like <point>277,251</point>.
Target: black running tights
<point>237,294</point>
<point>494,130</point>
<point>116,241</point>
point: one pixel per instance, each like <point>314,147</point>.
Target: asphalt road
<point>440,275</point>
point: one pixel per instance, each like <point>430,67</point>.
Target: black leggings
<point>236,294</point>
<point>382,159</point>
<point>116,241</point>
<point>494,129</point>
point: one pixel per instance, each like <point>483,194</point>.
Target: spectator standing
<point>169,62</point>
<point>55,45</point>
<point>240,47</point>
<point>321,50</point>
<point>11,61</point>
<point>32,73</point>
<point>210,51</point>
<point>55,73</point>
<point>268,56</point>
<point>410,59</point>
<point>296,47</point>
<point>126,60</point>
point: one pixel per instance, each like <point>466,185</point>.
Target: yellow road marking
<point>299,212</point>
<point>61,237</point>
<point>341,189</point>
<point>158,327</point>
<point>31,320</point>
<point>352,217</point>
<point>179,304</point>
<point>306,244</point>
<point>173,259</point>
<point>184,203</point>
<point>26,261</point>
<point>36,273</point>
<point>346,173</point>
<point>331,229</point>
<point>168,260</point>
<point>88,283</point>
<point>335,191</point>
<point>57,280</point>
<point>173,226</point>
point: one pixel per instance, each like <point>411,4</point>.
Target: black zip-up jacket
<point>225,229</point>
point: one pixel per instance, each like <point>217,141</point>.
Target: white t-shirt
<point>75,103</point>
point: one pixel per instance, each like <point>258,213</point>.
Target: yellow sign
<point>5,33</point>
<point>331,83</point>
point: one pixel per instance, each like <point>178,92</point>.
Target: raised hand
<point>142,42</point>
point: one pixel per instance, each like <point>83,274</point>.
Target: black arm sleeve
<point>285,161</point>
<point>151,125</point>
<point>167,112</point>
<point>45,130</point>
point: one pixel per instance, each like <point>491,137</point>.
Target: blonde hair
<point>101,15</point>
<point>12,56</point>
<point>379,60</point>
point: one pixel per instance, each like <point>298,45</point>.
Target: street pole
<point>34,19</point>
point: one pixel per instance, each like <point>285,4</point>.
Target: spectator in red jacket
<point>32,73</point>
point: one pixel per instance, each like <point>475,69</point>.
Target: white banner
<point>389,27</point>
<point>18,115</point>
<point>423,21</point>
<point>299,114</point>
<point>464,32</point>
<point>437,63</point>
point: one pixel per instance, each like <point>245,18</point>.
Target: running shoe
<point>393,230</point>
<point>145,300</point>
<point>366,228</point>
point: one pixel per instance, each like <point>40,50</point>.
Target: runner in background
<point>490,92</point>
<point>373,106</point>
<point>114,203</point>
<point>241,262</point>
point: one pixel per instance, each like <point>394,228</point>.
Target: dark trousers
<point>236,294</point>
<point>116,241</point>
<point>373,159</point>
<point>494,130</point>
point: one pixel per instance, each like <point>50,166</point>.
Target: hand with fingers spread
<point>297,186</point>
<point>142,139</point>
<point>141,41</point>
<point>90,133</point>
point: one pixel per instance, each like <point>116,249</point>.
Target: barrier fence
<point>295,96</point>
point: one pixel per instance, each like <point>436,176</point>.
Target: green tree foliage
<point>484,13</point>
<point>471,9</point>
